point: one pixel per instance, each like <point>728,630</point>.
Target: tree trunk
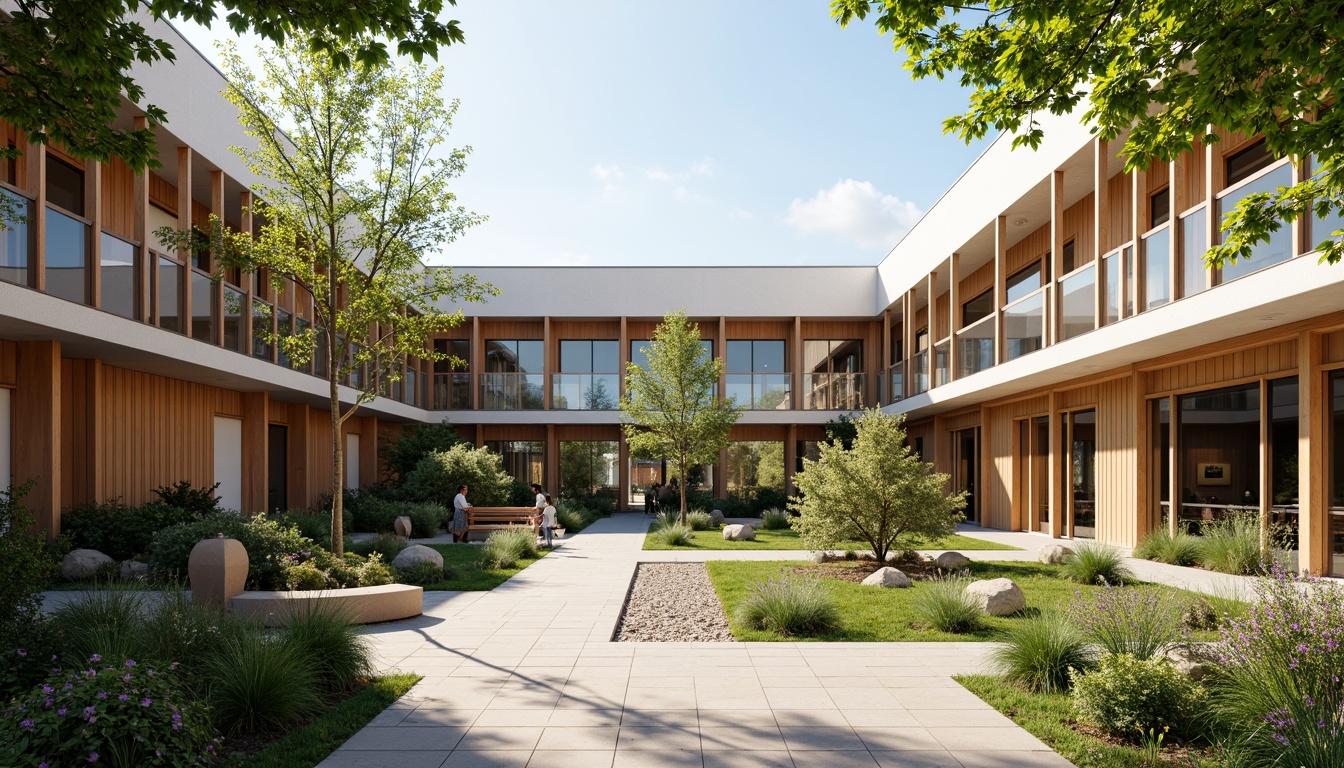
<point>337,474</point>
<point>681,476</point>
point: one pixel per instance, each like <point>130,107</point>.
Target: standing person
<point>458,525</point>
<point>651,499</point>
<point>540,501</point>
<point>548,519</point>
<point>665,499</point>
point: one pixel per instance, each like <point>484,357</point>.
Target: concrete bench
<point>364,605</point>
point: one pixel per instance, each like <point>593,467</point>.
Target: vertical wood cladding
<point>118,199</point>
<point>997,476</point>
<point>9,364</point>
<point>1117,462</point>
<point>1209,372</point>
<point>1080,226</point>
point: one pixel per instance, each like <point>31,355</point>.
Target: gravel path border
<point>672,603</point>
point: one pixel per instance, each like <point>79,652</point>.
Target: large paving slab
<point>526,676</point>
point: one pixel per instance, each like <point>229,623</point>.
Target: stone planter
<point>364,605</point>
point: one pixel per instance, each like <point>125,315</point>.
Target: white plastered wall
<point>229,461</point>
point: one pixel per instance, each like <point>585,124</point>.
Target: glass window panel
<point>706,349</point>
<point>202,301</point>
<point>234,301</point>
<point>1023,282</point>
<point>755,464</point>
<point>1280,245</point>
<point>531,355</point>
<point>975,348</point>
<point>1322,227</point>
<point>65,185</point>
<point>739,356</point>
<point>169,303</point>
<point>1024,326</point>
<point>283,326</point>
<point>522,459</point>
<point>1194,244</point>
<point>816,355</point>
<point>1247,162</point>
<point>1219,444</point>
<point>767,357</point>
<point>501,356</point>
<point>261,329</point>
<point>976,309</point>
<point>1157,269</point>
<point>606,357</point>
<point>66,256</point>
<point>847,356</point>
<point>1111,286</point>
<point>320,353</point>
<point>1159,208</point>
<point>637,355</point>
<point>1078,302</point>
<point>117,276</point>
<point>589,468</point>
<point>1066,258</point>
<point>576,356</point>
<point>739,388</point>
<point>14,239</point>
<point>1336,524</point>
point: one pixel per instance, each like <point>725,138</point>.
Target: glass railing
<point>919,372</point>
<point>513,391</point>
<point>412,387</point>
<point>261,329</point>
<point>975,347</point>
<point>833,391</point>
<point>168,296</point>
<point>761,391</point>
<point>941,363</point>
<point>1279,248</point>
<point>1156,254</point>
<point>301,328</point>
<point>202,307</point>
<point>1024,326</point>
<point>1078,302</point>
<point>283,329</point>
<point>67,255</point>
<point>896,383</point>
<point>1194,246</point>
<point>1110,287</point>
<point>452,391</point>
<point>585,391</point>
<point>234,303</point>
<point>320,353</point>
<point>116,276</point>
<point>14,237</point>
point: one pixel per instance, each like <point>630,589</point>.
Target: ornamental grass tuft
<point>790,607</point>
<point>700,521</point>
<point>673,535</point>
<point>506,546</point>
<point>1094,563</point>
<point>1038,653</point>
<point>332,644</point>
<point>944,605</point>
<point>1163,546</point>
<point>261,682</point>
<point>774,519</point>
<point>1232,544</point>
<point>1144,623</point>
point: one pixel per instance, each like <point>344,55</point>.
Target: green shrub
<point>314,524</point>
<point>1232,544</point>
<point>103,622</point>
<point>1144,623</point>
<point>673,535</point>
<point>944,605</point>
<point>700,521</point>
<point>118,530</point>
<point>1092,563</point>
<point>599,504</point>
<point>403,452</point>
<point>790,607</point>
<point>570,518</point>
<point>179,629</point>
<point>1127,696</point>
<point>200,502</point>
<point>1038,653</point>
<point>1199,614</point>
<point>421,574</point>
<point>375,515</point>
<point>665,518</point>
<point>332,644</point>
<point>387,545</point>
<point>25,568</point>
<point>260,682</point>
<point>751,501</point>
<point>1163,546</point>
<point>121,713</point>
<point>519,495</point>
<point>303,577</point>
<point>426,519</point>
<point>437,476</point>
<point>506,546</point>
<point>267,543</point>
<point>774,519</point>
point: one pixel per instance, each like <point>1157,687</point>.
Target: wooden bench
<point>495,518</point>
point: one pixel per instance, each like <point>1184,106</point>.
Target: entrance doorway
<point>966,470</point>
<point>1033,468</point>
<point>277,467</point>
<point>1080,434</point>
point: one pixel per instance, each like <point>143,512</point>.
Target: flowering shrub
<point>1279,673</point>
<point>1129,696</point>
<point>120,715</point>
<point>267,543</point>
<point>1144,623</point>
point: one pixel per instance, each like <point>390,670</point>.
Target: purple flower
<point>102,694</point>
<point>93,757</point>
<point>126,676</point>
<point>46,689</point>
<point>146,702</point>
<point>95,658</point>
<point>42,765</point>
<point>90,710</point>
<point>130,663</point>
<point>23,655</point>
<point>61,712</point>
<point>26,724</point>
<point>122,697</point>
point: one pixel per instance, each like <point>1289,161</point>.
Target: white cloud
<point>741,214</point>
<point>700,168</point>
<point>607,172</point>
<point>855,211</point>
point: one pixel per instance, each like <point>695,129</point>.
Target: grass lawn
<point>1049,717</point>
<point>307,746</point>
<point>872,614</point>
<point>463,560</point>
<point>789,539</point>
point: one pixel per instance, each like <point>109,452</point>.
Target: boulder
<point>218,570</point>
<point>997,597</point>
<point>134,570</point>
<point>1191,664</point>
<point>737,532</point>
<point>886,577</point>
<point>716,517</point>
<point>820,556</point>
<point>951,561</point>
<point>1052,554</point>
<point>402,527</point>
<point>417,553</point>
<point>83,564</point>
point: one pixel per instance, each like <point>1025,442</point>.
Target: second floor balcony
<point>833,391</point>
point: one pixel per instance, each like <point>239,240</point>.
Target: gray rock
<point>819,556</point>
<point>402,527</point>
<point>1191,664</point>
<point>950,561</point>
<point>417,553</point>
<point>997,597</point>
<point>886,577</point>
<point>716,517</point>
<point>83,563</point>
<point>738,532</point>
<point>1052,554</point>
<point>134,570</point>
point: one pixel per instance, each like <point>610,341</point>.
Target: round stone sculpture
<point>417,553</point>
<point>1052,554</point>
<point>950,561</point>
<point>83,563</point>
<point>997,597</point>
<point>738,532</point>
<point>218,570</point>
<point>402,527</point>
<point>887,577</point>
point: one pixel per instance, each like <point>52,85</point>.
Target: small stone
<point>134,570</point>
<point>417,553</point>
<point>402,527</point>
<point>1052,554</point>
<point>716,517</point>
<point>83,564</point>
<point>736,532</point>
<point>886,577</point>
<point>951,561</point>
<point>819,556</point>
<point>997,597</point>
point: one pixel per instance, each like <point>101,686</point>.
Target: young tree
<point>876,491</point>
<point>58,54</point>
<point>353,246</point>
<point>671,406</point>
<point>1167,69</point>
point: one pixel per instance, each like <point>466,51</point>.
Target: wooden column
<point>217,288</point>
<point>886,358</point>
<point>1101,212</point>
<point>623,355</point>
<point>1177,195</point>
<point>1174,465</point>
<point>549,354</point>
<point>368,452</point>
<point>1214,174</point>
<point>790,457</point>
<point>552,459</point>
<point>36,425</point>
<point>1000,262</point>
<point>931,286</point>
<point>1143,459</point>
<point>1135,274</point>
<point>93,251</point>
<point>1055,471</point>
<point>140,232</point>
<point>953,312</point>
<point>1056,267</point>
<point>476,368</point>
<point>35,171</point>
<point>796,363</point>
<point>297,481</point>
<point>184,157</point>
<point>480,435</point>
<point>1312,458</point>
<point>256,420</point>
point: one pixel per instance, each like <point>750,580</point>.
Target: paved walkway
<point>525,676</point>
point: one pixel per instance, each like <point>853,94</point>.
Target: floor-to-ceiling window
<point>1034,473</point>
<point>755,464</point>
<point>523,459</point>
<point>1080,435</point>
<point>589,468</point>
<point>1336,523</point>
<point>966,470</point>
<point>1219,453</point>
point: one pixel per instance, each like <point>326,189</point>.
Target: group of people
<point>659,497</point>
<point>542,518</point>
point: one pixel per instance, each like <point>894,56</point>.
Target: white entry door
<point>352,461</point>
<point>229,462</point>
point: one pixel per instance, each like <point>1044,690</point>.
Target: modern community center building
<point>1049,329</point>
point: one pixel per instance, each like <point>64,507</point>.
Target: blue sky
<point>689,133</point>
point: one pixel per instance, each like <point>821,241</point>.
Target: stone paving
<point>526,676</point>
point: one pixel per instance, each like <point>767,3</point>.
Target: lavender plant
<point>1280,671</point>
<point>1141,622</point>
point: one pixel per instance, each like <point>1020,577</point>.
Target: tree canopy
<point>1159,72</point>
<point>66,64</point>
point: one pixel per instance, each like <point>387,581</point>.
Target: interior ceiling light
<point>1019,222</point>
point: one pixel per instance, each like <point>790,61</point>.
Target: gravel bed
<point>673,602</point>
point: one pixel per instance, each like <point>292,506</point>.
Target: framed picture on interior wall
<point>1213,474</point>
